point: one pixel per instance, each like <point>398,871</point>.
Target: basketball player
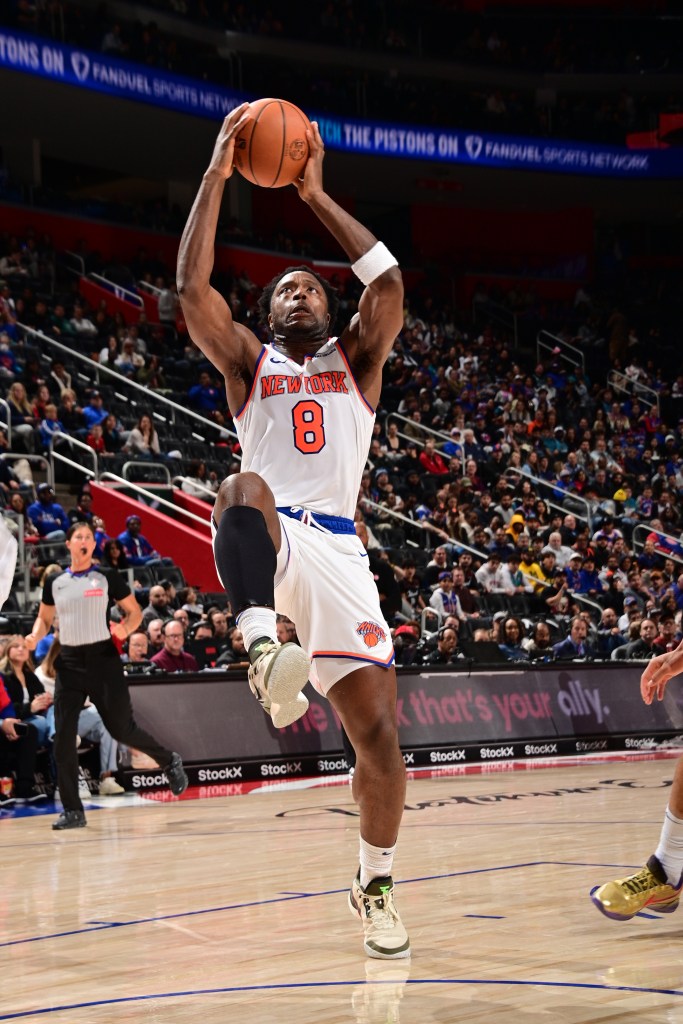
<point>658,884</point>
<point>284,537</point>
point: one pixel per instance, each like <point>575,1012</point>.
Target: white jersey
<point>307,430</point>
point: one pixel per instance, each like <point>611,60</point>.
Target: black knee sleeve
<point>246,558</point>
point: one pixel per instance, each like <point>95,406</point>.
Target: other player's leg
<point>365,700</point>
<point>657,886</point>
<point>247,539</point>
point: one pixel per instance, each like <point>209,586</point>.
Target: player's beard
<point>308,330</point>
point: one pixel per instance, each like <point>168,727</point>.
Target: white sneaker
<point>277,678</point>
<point>110,787</point>
<point>385,936</point>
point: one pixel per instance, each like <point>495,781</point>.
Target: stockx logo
<point>474,145</point>
<point>81,65</point>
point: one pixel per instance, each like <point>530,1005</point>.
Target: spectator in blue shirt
<point>137,548</point>
<point>47,515</point>
<point>95,412</point>
<point>572,572</point>
<point>590,582</point>
<point>50,425</point>
<point>204,395</point>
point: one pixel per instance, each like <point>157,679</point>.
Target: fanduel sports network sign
<point>123,79</point>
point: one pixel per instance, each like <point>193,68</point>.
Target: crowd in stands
<point>513,510</point>
<point>600,42</point>
<point>501,496</point>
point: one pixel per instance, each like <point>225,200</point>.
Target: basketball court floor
<point>232,907</point>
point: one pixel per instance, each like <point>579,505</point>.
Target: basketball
<point>271,150</point>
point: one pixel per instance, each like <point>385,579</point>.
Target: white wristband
<point>373,263</point>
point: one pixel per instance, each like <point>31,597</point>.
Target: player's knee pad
<point>246,558</point>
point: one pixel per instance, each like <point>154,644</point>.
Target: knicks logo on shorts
<point>371,632</point>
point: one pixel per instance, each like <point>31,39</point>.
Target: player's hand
<point>312,181</point>
<point>656,675</point>
<point>224,148</point>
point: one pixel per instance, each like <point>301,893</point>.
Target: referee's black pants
<point>95,671</point>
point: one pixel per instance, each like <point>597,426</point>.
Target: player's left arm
<point>371,334</point>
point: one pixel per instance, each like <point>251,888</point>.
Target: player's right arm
<point>658,672</point>
<point>229,346</point>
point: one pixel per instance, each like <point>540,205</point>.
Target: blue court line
<point>486,917</point>
<point>275,987</point>
<point>287,897</point>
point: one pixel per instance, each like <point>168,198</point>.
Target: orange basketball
<point>271,150</point>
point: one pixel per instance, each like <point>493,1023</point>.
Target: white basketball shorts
<point>324,585</point>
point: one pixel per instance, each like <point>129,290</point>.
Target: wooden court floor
<point>233,909</point>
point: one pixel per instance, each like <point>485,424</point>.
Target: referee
<point>89,664</point>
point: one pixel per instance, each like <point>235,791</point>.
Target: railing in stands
<point>119,290</point>
<point>151,396</point>
<point>438,434</point>
<point>626,385</point>
<point>147,286</point>
<point>151,496</point>
<point>475,552</point>
<point>79,263</point>
<point>487,309</point>
<point>148,465</point>
<point>195,484</point>
<point>17,456</point>
<point>587,518</point>
<point>59,456</point>
<point>644,528</point>
<point>560,349</point>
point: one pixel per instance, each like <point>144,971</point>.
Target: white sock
<point>375,861</point>
<point>669,853</point>
<point>255,623</point>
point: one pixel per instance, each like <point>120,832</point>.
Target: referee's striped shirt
<point>82,601</point>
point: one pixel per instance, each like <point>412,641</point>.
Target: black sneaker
<point>69,819</point>
<point>29,796</point>
<point>176,775</point>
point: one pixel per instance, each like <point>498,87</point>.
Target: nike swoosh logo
<point>363,556</point>
<point>273,360</point>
